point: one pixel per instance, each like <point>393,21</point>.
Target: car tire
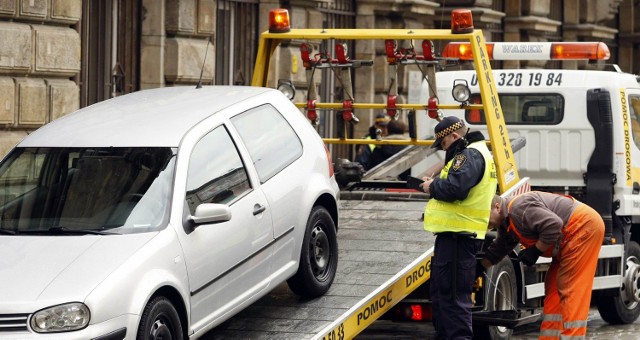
<point>500,294</point>
<point>318,256</point>
<point>621,308</point>
<point>160,320</point>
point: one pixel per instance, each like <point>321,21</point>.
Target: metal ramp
<point>376,240</point>
<point>412,155</point>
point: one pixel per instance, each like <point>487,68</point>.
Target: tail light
<point>329,160</point>
<point>416,312</point>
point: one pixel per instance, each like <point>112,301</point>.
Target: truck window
<point>635,118</point>
<point>523,109</point>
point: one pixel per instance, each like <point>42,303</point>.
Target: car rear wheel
<point>160,320</point>
<point>318,256</point>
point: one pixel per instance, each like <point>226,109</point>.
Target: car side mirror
<point>211,213</point>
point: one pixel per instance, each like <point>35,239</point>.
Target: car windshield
<point>76,191</point>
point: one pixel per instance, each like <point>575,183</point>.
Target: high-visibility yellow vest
<point>471,214</point>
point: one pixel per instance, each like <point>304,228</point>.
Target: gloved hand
<point>529,255</point>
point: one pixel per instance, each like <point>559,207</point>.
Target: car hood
<point>60,268</point>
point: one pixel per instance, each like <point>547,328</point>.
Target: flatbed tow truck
<point>384,251</point>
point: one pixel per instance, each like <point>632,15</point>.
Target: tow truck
<point>353,303</point>
<point>582,135</point>
<point>582,129</point>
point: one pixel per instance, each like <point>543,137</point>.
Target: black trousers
<point>453,270</point>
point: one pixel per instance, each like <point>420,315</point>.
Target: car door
<point>275,147</point>
<point>229,261</point>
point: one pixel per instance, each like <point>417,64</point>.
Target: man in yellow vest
<point>458,213</point>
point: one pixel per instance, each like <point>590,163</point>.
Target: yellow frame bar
<point>501,145</point>
<point>338,106</point>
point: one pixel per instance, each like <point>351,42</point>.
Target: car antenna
<point>203,63</point>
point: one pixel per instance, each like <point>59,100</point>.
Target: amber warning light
<point>279,21</point>
<point>533,51</point>
<point>461,21</point>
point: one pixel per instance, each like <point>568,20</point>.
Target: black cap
<point>447,126</point>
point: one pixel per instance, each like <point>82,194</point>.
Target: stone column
<point>152,44</point>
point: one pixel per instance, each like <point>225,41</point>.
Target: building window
<point>236,41</point>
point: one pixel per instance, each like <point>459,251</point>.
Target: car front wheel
<point>160,320</point>
<point>318,256</point>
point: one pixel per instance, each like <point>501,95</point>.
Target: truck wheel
<point>160,320</point>
<point>500,292</point>
<point>625,307</point>
<point>318,257</point>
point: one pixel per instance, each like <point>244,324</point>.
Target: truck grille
<point>13,322</point>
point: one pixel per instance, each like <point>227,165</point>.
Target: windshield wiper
<point>7,232</point>
<point>65,230</point>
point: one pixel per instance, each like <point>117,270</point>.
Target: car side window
<point>216,172</point>
<point>271,141</point>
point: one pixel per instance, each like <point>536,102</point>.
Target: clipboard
<point>414,183</point>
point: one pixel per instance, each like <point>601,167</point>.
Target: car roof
<point>154,117</point>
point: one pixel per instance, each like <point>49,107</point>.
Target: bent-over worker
<point>554,226</point>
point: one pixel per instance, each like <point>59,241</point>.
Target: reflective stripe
<point>572,337</point>
<point>468,211</point>
<point>551,317</point>
<point>550,332</point>
<point>575,324</point>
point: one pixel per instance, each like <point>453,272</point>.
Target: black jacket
<point>466,172</point>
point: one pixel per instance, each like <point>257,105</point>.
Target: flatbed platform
<point>376,240</point>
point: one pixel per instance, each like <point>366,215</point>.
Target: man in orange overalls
<point>554,226</point>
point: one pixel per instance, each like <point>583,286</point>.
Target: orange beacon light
<point>279,21</point>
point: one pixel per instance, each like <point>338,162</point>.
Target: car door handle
<point>258,209</point>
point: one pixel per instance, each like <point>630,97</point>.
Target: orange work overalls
<point>570,278</point>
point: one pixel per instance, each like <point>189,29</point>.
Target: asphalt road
<point>596,329</point>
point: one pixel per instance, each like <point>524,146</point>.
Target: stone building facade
<point>60,55</point>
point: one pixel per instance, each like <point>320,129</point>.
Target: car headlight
<point>67,317</point>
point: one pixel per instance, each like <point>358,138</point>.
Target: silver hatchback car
<point>162,213</point>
